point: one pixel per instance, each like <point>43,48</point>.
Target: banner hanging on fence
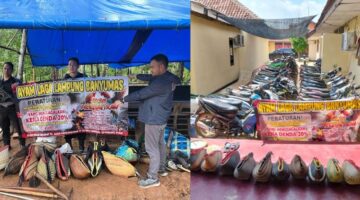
<point>328,121</point>
<point>86,105</point>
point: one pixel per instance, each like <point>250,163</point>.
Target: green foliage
<point>299,44</point>
<point>45,73</point>
<point>14,35</point>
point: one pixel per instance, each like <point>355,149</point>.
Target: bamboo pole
<point>16,196</point>
<point>22,55</point>
<point>50,186</point>
<point>30,189</point>
<point>32,193</point>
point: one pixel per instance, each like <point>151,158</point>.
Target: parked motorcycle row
<point>333,85</point>
<point>232,113</point>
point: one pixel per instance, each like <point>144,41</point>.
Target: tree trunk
<point>92,70</point>
<point>105,70</point>
<point>34,77</point>
<point>22,56</point>
<point>55,75</point>
<point>97,70</point>
<point>181,74</point>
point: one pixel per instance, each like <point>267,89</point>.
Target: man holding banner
<point>154,111</point>
<point>7,104</point>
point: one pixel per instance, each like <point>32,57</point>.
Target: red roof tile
<point>230,8</point>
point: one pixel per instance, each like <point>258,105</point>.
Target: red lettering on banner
<point>336,122</point>
<point>47,118</point>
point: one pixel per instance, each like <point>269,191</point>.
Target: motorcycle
<point>214,117</point>
<point>232,113</point>
<point>324,86</point>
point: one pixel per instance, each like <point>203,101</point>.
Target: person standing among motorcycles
<point>7,105</point>
<point>156,103</point>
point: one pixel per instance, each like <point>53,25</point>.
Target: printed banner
<point>86,105</point>
<point>328,121</point>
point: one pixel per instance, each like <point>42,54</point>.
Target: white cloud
<point>278,9</point>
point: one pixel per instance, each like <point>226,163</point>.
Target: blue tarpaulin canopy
<point>126,32</point>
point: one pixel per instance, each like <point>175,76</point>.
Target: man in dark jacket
<point>156,103</point>
<point>73,68</point>
<point>7,104</point>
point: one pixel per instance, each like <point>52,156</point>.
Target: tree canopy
<point>299,44</point>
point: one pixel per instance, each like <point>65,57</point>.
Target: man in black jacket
<point>7,104</point>
<point>156,101</point>
<point>73,67</point>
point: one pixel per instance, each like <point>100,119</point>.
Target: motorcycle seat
<point>220,107</point>
<point>232,101</point>
<point>319,86</point>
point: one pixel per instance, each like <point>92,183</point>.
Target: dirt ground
<point>107,186</point>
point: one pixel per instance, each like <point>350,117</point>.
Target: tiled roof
<point>230,8</point>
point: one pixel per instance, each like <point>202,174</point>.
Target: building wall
<point>321,42</point>
<point>332,53</point>
<point>252,56</point>
<point>284,44</point>
<point>354,26</point>
<point>210,56</point>
<point>271,46</point>
<point>314,52</point>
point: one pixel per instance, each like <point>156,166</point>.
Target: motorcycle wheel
<point>207,126</point>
